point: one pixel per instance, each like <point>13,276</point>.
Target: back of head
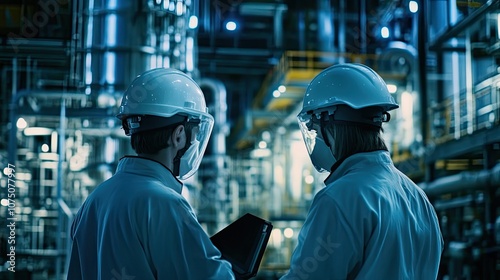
<point>157,101</point>
<point>349,102</point>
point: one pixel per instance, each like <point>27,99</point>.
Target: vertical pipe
<point>13,116</point>
<point>301,26</point>
<point>437,22</point>
<point>362,25</point>
<point>342,38</point>
<point>28,73</point>
<point>62,137</point>
<point>206,15</point>
<point>216,97</point>
<point>469,90</point>
<point>422,66</point>
<point>325,26</point>
<point>455,66</point>
<point>278,27</point>
<point>14,77</point>
<point>213,23</point>
<point>72,57</point>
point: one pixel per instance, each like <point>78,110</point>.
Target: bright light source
<point>413,5</point>
<point>288,232</point>
<point>179,9</point>
<point>260,153</point>
<point>110,58</point>
<point>193,22</point>
<point>37,131</point>
<point>276,93</point>
<point>111,30</point>
<point>282,88</point>
<point>309,179</point>
<point>189,54</point>
<point>281,130</point>
<point>7,171</point>
<point>266,136</point>
<point>392,88</point>
<point>105,100</point>
<point>498,25</point>
<point>407,123</point>
<point>4,202</point>
<point>45,148</point>
<point>231,25</point>
<point>262,144</point>
<point>384,32</point>
<point>276,238</point>
<point>21,123</point>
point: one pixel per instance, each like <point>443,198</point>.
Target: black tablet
<point>243,243</point>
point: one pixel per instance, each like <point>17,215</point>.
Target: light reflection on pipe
<point>111,30</point>
<point>189,54</point>
<point>88,69</point>
<point>110,67</point>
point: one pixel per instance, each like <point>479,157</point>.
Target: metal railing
<point>449,119</point>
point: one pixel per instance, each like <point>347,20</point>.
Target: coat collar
<point>151,168</point>
<point>360,160</point>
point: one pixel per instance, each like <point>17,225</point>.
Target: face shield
<point>320,154</point>
<point>198,133</point>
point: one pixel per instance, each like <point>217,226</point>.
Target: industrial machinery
<point>65,64</point>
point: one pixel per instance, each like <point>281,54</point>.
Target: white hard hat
<point>343,92</point>
<point>354,85</point>
<point>163,92</point>
<point>162,97</point>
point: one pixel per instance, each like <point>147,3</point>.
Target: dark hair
<point>352,138</point>
<point>151,141</point>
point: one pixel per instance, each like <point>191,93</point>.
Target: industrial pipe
<point>463,181</point>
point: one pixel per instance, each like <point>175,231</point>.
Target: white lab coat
<point>369,222</point>
<point>136,225</point>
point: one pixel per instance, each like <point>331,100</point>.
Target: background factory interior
<point>64,66</point>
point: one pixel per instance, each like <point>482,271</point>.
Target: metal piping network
<point>218,96</point>
<point>463,181</point>
<point>220,111</point>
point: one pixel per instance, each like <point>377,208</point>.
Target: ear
<point>178,137</point>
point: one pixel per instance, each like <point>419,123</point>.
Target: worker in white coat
<point>370,221</point>
<point>136,225</point>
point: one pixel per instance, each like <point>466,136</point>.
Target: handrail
<point>442,122</point>
<point>309,61</point>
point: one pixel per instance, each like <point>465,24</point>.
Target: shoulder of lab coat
<point>138,221</point>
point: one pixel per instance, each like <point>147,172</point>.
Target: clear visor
<point>319,153</point>
<point>200,135</point>
<point>309,133</point>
